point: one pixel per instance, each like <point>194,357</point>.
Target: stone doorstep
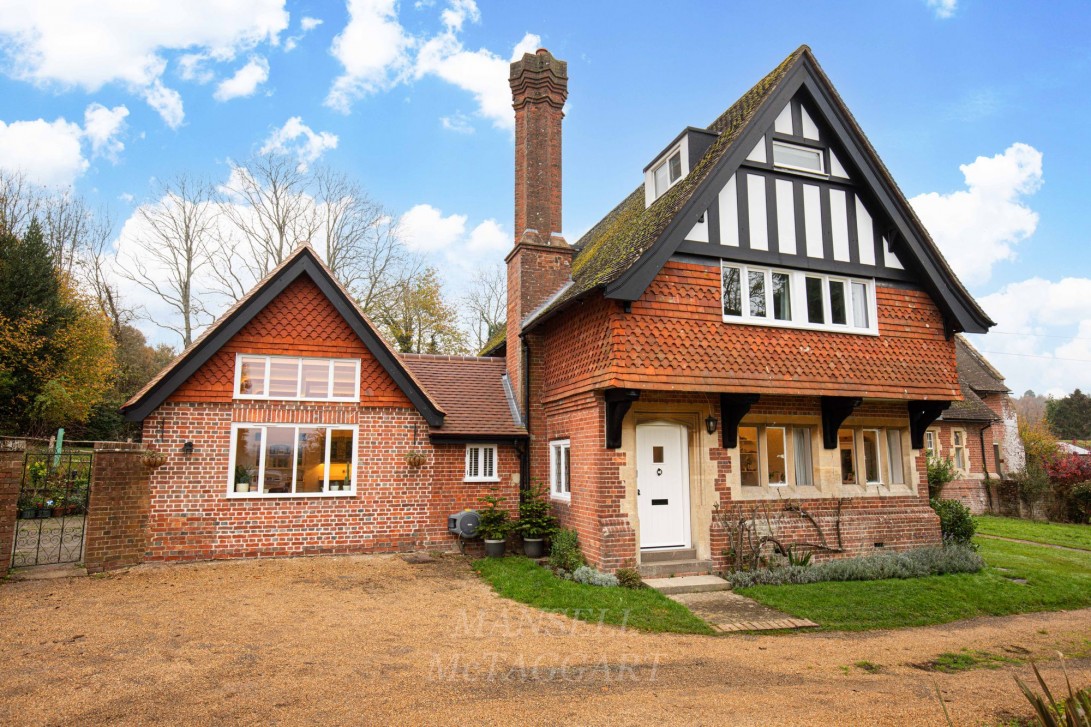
<point>688,584</point>
<point>47,572</point>
<point>786,623</point>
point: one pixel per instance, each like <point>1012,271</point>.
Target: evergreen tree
<point>1070,417</point>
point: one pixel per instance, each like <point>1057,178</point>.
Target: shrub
<point>588,575</point>
<point>1081,496</point>
<point>955,521</point>
<point>564,551</point>
<point>629,578</point>
<point>1032,482</point>
<point>535,518</point>
<point>940,472</point>
<point>494,520</point>
<point>916,563</point>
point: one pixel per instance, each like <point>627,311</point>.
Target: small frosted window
<point>798,157</point>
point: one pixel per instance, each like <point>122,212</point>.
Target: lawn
<point>1068,535</point>
<point>523,580</point>
<point>1055,580</point>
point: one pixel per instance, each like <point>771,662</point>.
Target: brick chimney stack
<point>539,264</point>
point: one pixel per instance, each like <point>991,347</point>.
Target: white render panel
<point>699,233</point>
<point>759,226</point>
<point>783,124</point>
<point>812,219</point>
<point>839,224</point>
<point>786,217</point>
<point>835,167</point>
<point>889,258</point>
<point>810,131</point>
<point>865,234</point>
<point>757,154</point>
<point>729,214</point>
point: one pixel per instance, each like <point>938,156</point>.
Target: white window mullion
<point>329,436</point>
<point>261,458</point>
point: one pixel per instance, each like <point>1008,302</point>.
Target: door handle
<point>659,471</point>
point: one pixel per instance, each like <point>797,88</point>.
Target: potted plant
<point>415,458</point>
<point>43,505</point>
<point>153,459</point>
<point>536,522</point>
<point>494,525</point>
<point>242,479</point>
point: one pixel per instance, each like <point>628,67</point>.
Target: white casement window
<point>776,460</point>
<point>749,462</point>
<point>873,465</point>
<point>560,469</point>
<point>846,443</point>
<point>801,451</point>
<point>930,443</point>
<point>958,447</point>
<point>796,299</point>
<point>775,456</point>
<point>667,174</point>
<point>296,378</point>
<point>894,456</point>
<point>798,158</point>
<point>481,463</point>
<point>284,460</point>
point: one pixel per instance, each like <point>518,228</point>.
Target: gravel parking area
<point>365,640</point>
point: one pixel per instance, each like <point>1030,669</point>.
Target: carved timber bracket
<point>835,410</point>
<point>618,402</point>
<point>921,416</point>
<point>733,407</point>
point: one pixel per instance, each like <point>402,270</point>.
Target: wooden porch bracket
<point>835,410</point>
<point>618,402</point>
<point>921,416</point>
<point>733,407</point>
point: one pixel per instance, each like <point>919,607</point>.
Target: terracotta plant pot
<point>533,547</point>
<point>495,548</point>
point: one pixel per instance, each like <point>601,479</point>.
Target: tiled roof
<point>470,390</point>
<point>975,370</point>
<point>970,409</point>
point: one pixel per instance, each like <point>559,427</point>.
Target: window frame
<point>960,451</point>
<point>761,457</point>
<point>559,490</point>
<point>933,448</point>
<point>879,442</point>
<point>890,435</point>
<point>768,452</point>
<point>670,155</point>
<point>264,426</point>
<point>495,477</point>
<point>299,378</point>
<point>798,302</point>
<point>822,173</point>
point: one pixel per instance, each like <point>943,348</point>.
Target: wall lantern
<point>710,424</point>
<point>187,448</point>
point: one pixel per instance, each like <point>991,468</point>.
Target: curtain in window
<point>803,467</point>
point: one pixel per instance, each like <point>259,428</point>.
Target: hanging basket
<point>153,458</point>
<point>415,459</point>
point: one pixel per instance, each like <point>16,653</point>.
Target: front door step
<point>688,584</point>
<point>666,568</point>
<point>659,556</point>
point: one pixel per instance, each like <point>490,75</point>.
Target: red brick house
<point>762,325</point>
<point>979,434</point>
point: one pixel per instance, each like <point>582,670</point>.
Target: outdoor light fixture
<point>710,424</point>
<point>187,448</point>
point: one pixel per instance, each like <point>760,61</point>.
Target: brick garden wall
<point>11,472</point>
<point>118,508</point>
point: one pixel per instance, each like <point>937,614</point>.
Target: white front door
<point>662,483</point>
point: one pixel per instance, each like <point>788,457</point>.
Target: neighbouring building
<point>762,330</point>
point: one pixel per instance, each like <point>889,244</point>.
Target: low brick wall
<point>117,513</point>
<point>11,469</point>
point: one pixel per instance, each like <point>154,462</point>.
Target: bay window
<point>296,378</point>
<point>795,299</point>
<point>288,460</point>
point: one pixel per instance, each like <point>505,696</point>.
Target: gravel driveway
<point>365,640</point>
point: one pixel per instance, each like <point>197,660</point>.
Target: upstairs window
<point>297,378</point>
<point>798,158</point>
<point>796,299</point>
<point>668,173</point>
<point>481,463</point>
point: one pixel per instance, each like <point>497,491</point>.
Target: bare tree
<point>67,225</point>
<point>98,275</point>
<point>19,201</point>
<point>172,250</point>
<point>485,305</point>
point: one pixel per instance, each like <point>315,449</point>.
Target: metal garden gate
<point>52,507</point>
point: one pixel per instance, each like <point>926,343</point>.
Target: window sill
<point>480,479</point>
<point>284,495</point>
<point>560,498</point>
<point>296,399</point>
<point>774,323</point>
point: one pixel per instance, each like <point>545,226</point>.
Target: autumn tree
<point>485,305</point>
<point>418,319</point>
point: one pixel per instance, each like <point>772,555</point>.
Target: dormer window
<point>668,173</point>
<point>799,158</point>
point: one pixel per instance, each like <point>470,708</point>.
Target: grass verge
<point>1066,534</point>
<point>523,580</point>
<point>952,662</point>
<point>1054,580</point>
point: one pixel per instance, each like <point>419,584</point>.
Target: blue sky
<point>978,108</point>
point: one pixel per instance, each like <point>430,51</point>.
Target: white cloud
<point>126,197</point>
<point>307,24</point>
<point>943,9</point>
<point>457,123</point>
<point>377,53</point>
<point>981,225</point>
<point>101,126</point>
<point>49,153</point>
<point>448,242</point>
<point>90,44</point>
<point>297,138</point>
<point>425,229</point>
<point>245,82</point>
<point>489,237</point>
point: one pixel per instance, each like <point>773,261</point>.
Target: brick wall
<point>970,487</point>
<point>118,508</point>
<point>11,473</point>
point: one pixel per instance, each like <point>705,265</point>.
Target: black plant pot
<point>27,513</point>
<point>44,512</point>
<point>495,548</point>
<point>533,547</point>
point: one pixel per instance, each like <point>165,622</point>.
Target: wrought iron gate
<point>52,508</point>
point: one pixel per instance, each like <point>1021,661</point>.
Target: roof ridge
<point>449,357</point>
